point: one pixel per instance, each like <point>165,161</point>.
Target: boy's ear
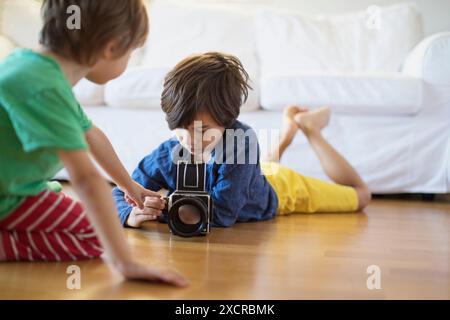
<point>110,50</point>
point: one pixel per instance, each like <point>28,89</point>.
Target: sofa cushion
<point>386,94</point>
<point>89,93</point>
<point>302,44</point>
<point>21,21</point>
<point>178,31</point>
<point>6,47</point>
<point>138,87</point>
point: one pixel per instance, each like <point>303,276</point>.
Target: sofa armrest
<point>430,60</point>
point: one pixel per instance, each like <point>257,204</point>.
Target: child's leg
<point>334,165</point>
<point>48,227</point>
<point>288,131</point>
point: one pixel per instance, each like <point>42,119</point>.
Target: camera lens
<point>189,214</point>
<point>187,217</point>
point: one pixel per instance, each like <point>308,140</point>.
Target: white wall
<point>436,13</point>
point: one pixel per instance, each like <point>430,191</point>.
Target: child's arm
<point>104,154</point>
<point>95,194</point>
<point>147,174</point>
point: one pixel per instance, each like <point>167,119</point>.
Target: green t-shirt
<point>39,115</point>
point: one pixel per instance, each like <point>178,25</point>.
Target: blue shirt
<point>239,190</point>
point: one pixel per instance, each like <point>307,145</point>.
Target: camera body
<point>190,206</point>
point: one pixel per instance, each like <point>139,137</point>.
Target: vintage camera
<point>190,206</point>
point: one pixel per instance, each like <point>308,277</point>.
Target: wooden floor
<point>322,256</point>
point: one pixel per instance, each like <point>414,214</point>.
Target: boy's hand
<point>135,194</point>
<point>137,271</point>
<point>152,209</point>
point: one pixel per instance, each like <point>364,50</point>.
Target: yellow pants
<point>297,193</point>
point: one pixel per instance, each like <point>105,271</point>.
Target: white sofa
<point>388,85</point>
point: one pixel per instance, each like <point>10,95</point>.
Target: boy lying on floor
<point>203,94</point>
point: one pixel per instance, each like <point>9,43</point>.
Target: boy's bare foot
<point>313,121</point>
<point>290,127</point>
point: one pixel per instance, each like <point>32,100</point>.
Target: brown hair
<point>213,82</point>
<point>101,22</point>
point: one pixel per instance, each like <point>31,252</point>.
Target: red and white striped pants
<point>48,227</point>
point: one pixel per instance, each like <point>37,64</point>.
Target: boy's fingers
<point>139,204</point>
<point>157,203</point>
<point>154,198</point>
<point>140,272</point>
<point>151,211</point>
<point>145,217</point>
<point>148,201</point>
<point>130,201</point>
<point>173,278</point>
<point>168,277</point>
<point>149,193</point>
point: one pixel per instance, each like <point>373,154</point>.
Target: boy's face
<point>201,136</point>
<point>109,66</point>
